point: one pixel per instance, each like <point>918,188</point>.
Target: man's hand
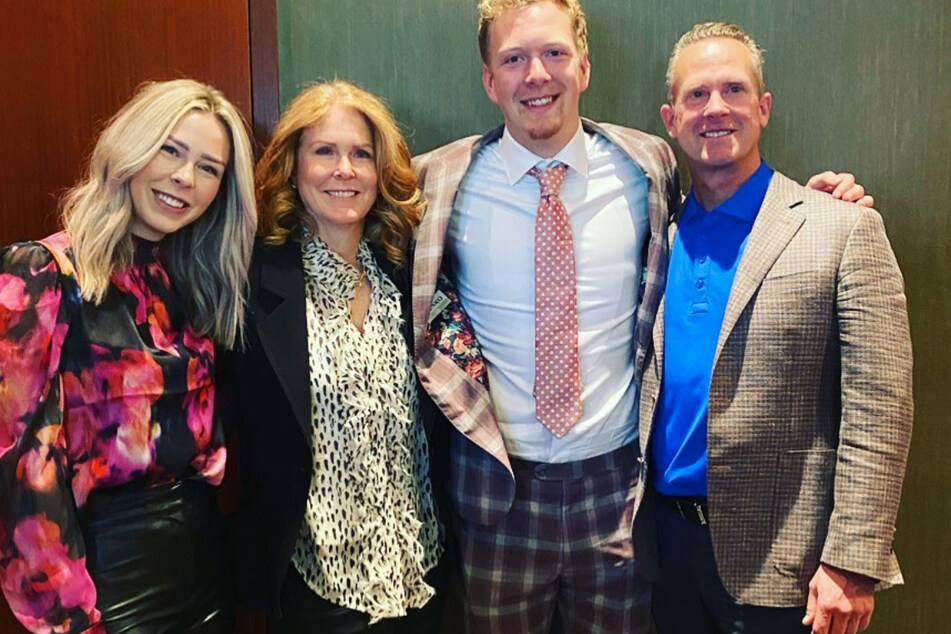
<point>840,602</point>
<point>841,186</point>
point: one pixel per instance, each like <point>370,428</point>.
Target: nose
<point>184,176</point>
<point>537,73</point>
<point>344,167</point>
<point>716,104</point>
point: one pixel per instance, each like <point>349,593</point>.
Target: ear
<point>667,114</point>
<point>765,107</point>
<point>488,83</point>
<point>585,72</point>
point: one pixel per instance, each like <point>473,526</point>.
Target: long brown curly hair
<point>399,204</point>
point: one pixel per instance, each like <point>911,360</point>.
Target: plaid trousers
<point>566,544</point>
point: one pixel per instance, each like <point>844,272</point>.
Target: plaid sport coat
<point>481,484</point>
<point>810,403</point>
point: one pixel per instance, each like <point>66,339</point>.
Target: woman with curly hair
<point>109,453</point>
<point>336,529</point>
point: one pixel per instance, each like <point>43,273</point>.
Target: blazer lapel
<point>778,221</point>
<point>440,178</point>
<point>658,329</point>
<point>650,389</point>
<point>282,327</point>
<point>463,399</point>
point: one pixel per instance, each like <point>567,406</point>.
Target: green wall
<point>858,85</point>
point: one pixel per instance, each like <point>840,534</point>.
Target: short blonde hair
<point>399,203</point>
<point>489,10</point>
<point>207,260</point>
<point>711,30</point>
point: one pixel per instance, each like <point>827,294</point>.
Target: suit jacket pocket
<point>802,504</point>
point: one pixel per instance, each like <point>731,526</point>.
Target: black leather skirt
<point>156,557</point>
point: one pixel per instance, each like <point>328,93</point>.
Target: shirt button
<point>703,259</point>
<point>699,283</point>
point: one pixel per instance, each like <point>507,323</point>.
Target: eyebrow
<point>314,142</point>
<point>184,146</point>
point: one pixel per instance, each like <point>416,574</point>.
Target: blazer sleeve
<point>42,555</point>
<point>877,407</point>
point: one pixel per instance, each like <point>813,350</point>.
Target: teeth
<point>715,133</point>
<point>170,201</point>
<point>347,192</point>
<point>541,101</point>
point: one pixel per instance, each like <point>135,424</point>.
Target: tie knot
<point>550,178</point>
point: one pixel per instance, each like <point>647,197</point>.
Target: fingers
<point>823,181</point>
<point>853,626</point>
<point>839,624</point>
<point>845,185</point>
<point>841,186</point>
<point>822,622</point>
<point>810,616</point>
<point>837,618</point>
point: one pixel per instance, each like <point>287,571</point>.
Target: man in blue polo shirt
<point>777,404</point>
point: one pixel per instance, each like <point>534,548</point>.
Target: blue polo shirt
<point>706,252</point>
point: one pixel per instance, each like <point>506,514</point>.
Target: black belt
<point>693,510</point>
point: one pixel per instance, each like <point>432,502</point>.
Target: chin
<point>543,131</point>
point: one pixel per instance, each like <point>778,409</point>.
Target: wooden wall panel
<point>858,85</point>
<point>67,66</point>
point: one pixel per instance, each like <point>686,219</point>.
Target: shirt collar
<point>517,159</point>
<point>744,204</point>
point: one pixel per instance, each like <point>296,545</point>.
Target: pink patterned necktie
<point>557,368</point>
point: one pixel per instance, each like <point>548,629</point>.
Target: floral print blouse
<point>91,397</point>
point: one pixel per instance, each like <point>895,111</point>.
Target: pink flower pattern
<point>451,333</point>
<point>91,397</point>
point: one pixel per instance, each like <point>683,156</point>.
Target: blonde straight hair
<point>207,260</point>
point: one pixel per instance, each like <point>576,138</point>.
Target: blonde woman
<point>336,529</point>
<point>109,453</point>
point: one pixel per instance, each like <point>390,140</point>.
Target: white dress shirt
<point>492,236</point>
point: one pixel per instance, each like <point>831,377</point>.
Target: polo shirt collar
<point>744,204</point>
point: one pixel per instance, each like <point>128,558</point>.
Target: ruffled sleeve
<point>42,555</point>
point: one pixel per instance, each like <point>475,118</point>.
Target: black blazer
<point>266,391</point>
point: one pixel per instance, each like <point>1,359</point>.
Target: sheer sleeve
<point>42,556</point>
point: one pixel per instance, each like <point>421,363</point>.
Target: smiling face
<point>176,187</point>
<point>718,112</point>
<point>336,171</point>
<point>536,75</point>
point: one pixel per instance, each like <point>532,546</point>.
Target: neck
<point>712,187</point>
<point>344,241</point>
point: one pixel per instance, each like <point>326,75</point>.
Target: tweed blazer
<point>810,404</point>
<point>481,484</point>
